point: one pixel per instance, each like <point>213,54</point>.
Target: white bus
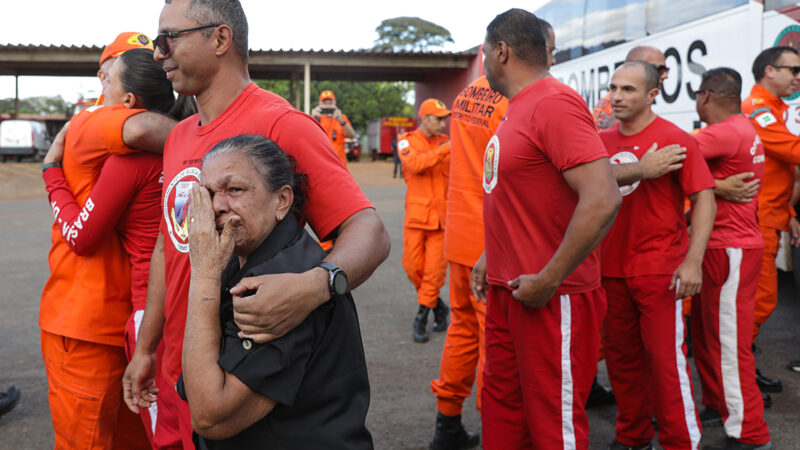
<point>594,36</point>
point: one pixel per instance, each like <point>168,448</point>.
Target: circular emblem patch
<point>490,159</point>
<point>176,207</point>
<point>624,158</point>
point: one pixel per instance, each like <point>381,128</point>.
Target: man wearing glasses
<point>203,50</point>
<point>722,313</point>
<point>777,74</point>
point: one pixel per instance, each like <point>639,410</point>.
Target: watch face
<point>340,283</point>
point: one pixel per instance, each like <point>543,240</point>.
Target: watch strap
<point>50,165</point>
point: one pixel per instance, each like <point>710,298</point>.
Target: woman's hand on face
<point>209,251</point>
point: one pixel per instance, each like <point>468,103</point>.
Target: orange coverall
<point>85,305</point>
<point>335,133</point>
<point>782,150</point>
<point>476,113</point>
<point>426,168</point>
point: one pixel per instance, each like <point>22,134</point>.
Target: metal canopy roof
<point>351,65</point>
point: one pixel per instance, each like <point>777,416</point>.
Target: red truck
<point>381,132</point>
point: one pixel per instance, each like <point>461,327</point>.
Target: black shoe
<point>710,417</point>
<point>600,395</point>
<point>9,399</point>
<point>616,445</point>
<point>420,324</point>
<point>440,315</point>
<point>767,384</point>
<point>794,366</point>
<point>733,444</point>
<point>451,435</point>
<point>767,400</point>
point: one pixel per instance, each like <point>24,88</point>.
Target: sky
<point>308,24</point>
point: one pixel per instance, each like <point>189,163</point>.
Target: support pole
<point>307,89</point>
<point>16,96</point>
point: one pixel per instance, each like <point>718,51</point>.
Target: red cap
<point>124,42</point>
<point>326,94</point>
<point>433,106</point>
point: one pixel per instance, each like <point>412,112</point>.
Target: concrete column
<point>16,96</point>
<point>307,89</point>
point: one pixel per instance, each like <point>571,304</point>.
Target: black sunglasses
<point>662,69</point>
<point>162,43</point>
<point>795,69</point>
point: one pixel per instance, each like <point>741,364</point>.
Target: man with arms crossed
<point>723,311</point>
<point>202,45</point>
<point>777,74</point>
<point>647,269</point>
<point>550,197</point>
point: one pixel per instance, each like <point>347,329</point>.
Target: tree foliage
<point>359,101</point>
<point>35,105</point>
<point>410,34</point>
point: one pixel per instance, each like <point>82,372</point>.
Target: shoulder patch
<point>403,144</point>
<point>757,101</point>
<point>766,120</point>
<point>758,111</point>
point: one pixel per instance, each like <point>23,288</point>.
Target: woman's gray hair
<point>277,169</point>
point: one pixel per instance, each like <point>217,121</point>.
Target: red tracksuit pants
<point>540,363</point>
<point>646,361</point>
<point>463,351</point>
<point>162,429</point>
<point>723,313</point>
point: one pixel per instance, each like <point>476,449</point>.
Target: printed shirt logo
<point>625,158</point>
<point>766,119</point>
<point>176,207</point>
<point>491,157</point>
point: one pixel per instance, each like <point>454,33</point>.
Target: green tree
<point>35,105</point>
<point>410,34</point>
<point>359,101</point>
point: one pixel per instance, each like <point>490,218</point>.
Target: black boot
<point>767,384</point>
<point>733,444</point>
<point>9,399</point>
<point>440,315</point>
<point>600,395</point>
<point>420,324</point>
<point>451,435</point>
<point>767,400</point>
<point>710,418</point>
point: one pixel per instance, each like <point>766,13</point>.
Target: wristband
<point>50,165</point>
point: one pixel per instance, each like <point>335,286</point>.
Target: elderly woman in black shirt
<point>307,389</point>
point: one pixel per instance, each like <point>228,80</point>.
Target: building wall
<point>447,86</point>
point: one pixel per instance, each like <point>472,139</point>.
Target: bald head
<point>652,56</point>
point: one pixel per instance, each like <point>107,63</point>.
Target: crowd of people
<point>189,311</point>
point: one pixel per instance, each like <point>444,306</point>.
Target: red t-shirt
<point>730,147</point>
<point>527,203</point>
<point>331,198</point>
<point>126,198</point>
<point>649,235</point>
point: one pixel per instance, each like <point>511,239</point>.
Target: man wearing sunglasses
<point>777,74</point>
<point>203,49</point>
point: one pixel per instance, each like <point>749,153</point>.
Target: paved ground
<point>402,411</point>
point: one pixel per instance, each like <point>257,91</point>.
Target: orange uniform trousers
<point>85,394</point>
<point>767,292</point>
<point>464,347</point>
<point>423,260</point>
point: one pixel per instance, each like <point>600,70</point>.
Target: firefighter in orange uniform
<point>425,155</point>
<point>337,125</point>
<point>777,74</point>
<point>477,111</point>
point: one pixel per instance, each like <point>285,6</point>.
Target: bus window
<point>665,14</point>
<point>566,17</point>
<point>611,22</point>
<point>778,4</point>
